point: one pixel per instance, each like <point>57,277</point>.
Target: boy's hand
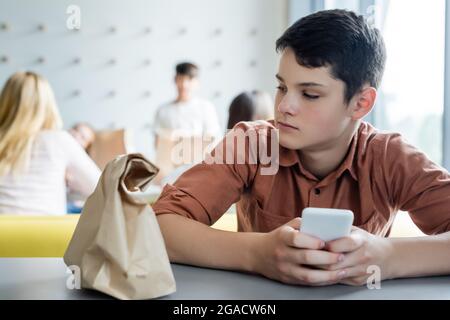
<point>361,250</point>
<point>287,255</point>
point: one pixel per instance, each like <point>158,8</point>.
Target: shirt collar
<point>290,157</point>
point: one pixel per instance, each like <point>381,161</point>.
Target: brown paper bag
<point>117,243</point>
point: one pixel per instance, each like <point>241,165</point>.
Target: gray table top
<point>45,278</point>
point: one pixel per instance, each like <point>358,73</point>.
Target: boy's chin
<point>291,143</point>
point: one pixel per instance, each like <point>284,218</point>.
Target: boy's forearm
<point>191,242</point>
<point>421,256</point>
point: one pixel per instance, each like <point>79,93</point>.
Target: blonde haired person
<point>37,158</point>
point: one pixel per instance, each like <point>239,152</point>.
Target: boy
<point>187,117</point>
<point>330,68</point>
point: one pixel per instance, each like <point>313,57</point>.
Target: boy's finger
<point>294,223</point>
<point>313,257</point>
<point>315,277</point>
<point>346,244</point>
<point>296,239</point>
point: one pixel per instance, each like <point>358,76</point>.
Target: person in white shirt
<point>186,121</point>
<point>38,160</point>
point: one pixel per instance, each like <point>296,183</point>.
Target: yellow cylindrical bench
<point>49,236</point>
<point>35,236</point>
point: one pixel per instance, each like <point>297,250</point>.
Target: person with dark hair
<point>187,118</point>
<point>187,69</point>
<point>250,106</point>
<point>330,68</point>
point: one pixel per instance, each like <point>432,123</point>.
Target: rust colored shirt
<point>380,174</point>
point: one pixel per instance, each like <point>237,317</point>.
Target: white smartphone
<point>326,224</point>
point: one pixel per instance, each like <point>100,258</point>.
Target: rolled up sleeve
<point>207,190</point>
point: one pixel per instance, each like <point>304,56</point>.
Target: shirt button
<point>317,191</point>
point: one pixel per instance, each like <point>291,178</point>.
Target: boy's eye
<point>281,88</point>
<point>310,96</point>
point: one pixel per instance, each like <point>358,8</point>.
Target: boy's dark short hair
<point>353,49</point>
<point>187,69</point>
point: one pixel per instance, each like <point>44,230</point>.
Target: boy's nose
<point>285,106</point>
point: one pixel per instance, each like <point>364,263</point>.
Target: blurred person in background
<point>250,106</point>
<point>38,160</point>
<point>183,122</point>
<point>84,134</point>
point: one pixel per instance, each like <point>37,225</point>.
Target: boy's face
<point>185,85</point>
<point>310,110</point>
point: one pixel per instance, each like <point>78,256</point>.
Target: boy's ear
<point>363,102</point>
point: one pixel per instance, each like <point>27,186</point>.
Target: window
<point>342,4</point>
<point>412,94</point>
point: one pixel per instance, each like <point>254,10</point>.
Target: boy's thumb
<point>294,223</point>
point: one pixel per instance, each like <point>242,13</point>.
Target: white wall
<point>240,57</point>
